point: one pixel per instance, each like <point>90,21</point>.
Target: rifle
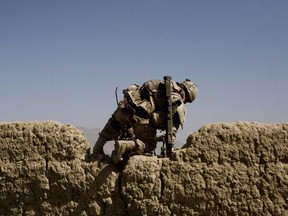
<point>169,116</point>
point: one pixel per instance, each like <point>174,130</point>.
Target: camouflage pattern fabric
<point>142,112</point>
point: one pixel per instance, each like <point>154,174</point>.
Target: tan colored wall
<point>225,169</point>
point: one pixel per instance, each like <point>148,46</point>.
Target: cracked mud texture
<point>223,169</point>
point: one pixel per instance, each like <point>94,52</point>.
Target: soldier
<point>142,112</point>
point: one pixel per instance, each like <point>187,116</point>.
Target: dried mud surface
<point>236,168</point>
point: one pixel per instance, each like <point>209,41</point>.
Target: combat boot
<point>121,147</point>
<point>98,147</point>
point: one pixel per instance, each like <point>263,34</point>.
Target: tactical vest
<point>149,101</point>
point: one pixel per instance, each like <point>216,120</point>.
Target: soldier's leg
<point>150,146</point>
<point>99,145</point>
<point>112,129</point>
<point>123,146</point>
<point>147,135</point>
<point>109,132</point>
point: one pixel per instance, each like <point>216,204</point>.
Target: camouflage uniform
<point>141,113</point>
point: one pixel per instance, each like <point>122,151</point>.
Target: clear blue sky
<point>62,60</point>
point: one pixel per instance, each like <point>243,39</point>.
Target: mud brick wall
<point>236,168</point>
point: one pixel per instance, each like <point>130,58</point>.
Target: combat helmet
<point>190,89</point>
